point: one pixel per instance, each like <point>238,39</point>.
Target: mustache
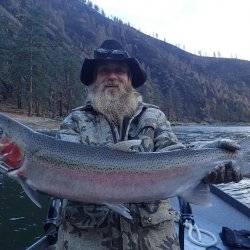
<point>111,84</point>
<point>101,86</point>
<point>114,83</point>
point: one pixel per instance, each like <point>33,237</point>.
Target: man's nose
<point>112,75</point>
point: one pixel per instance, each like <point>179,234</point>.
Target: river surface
<point>21,222</point>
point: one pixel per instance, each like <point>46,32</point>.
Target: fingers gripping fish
<point>103,175</point>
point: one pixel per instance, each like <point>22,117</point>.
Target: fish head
<point>14,139</point>
<point>18,132</point>
<point>11,155</point>
<point>11,164</point>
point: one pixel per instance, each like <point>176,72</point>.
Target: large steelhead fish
<point>104,175</point>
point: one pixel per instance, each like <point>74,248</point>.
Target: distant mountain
<point>43,44</point>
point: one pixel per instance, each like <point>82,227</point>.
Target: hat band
<point>110,54</point>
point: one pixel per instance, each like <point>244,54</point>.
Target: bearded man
<point>114,112</point>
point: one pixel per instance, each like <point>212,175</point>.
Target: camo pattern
<point>89,226</point>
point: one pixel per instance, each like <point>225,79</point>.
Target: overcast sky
<point>196,25</point>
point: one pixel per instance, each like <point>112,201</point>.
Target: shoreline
<point>54,122</point>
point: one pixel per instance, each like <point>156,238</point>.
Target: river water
<point>21,222</point>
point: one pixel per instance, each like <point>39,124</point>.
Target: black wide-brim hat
<point>112,51</point>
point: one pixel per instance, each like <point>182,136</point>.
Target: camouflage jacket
<point>89,226</point>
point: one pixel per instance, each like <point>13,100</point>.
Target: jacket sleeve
<point>69,129</point>
<point>156,133</point>
<point>164,138</point>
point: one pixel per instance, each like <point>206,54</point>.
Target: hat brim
<point>138,75</point>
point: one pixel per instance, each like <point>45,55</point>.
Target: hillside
<point>44,42</point>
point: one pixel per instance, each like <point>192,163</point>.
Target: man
<point>114,112</point>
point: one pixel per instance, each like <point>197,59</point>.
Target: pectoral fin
<point>30,192</point>
<point>200,195</point>
<point>120,209</point>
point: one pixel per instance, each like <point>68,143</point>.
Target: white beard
<point>114,103</point>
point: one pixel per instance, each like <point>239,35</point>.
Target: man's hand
<point>226,144</point>
<point>223,174</point>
